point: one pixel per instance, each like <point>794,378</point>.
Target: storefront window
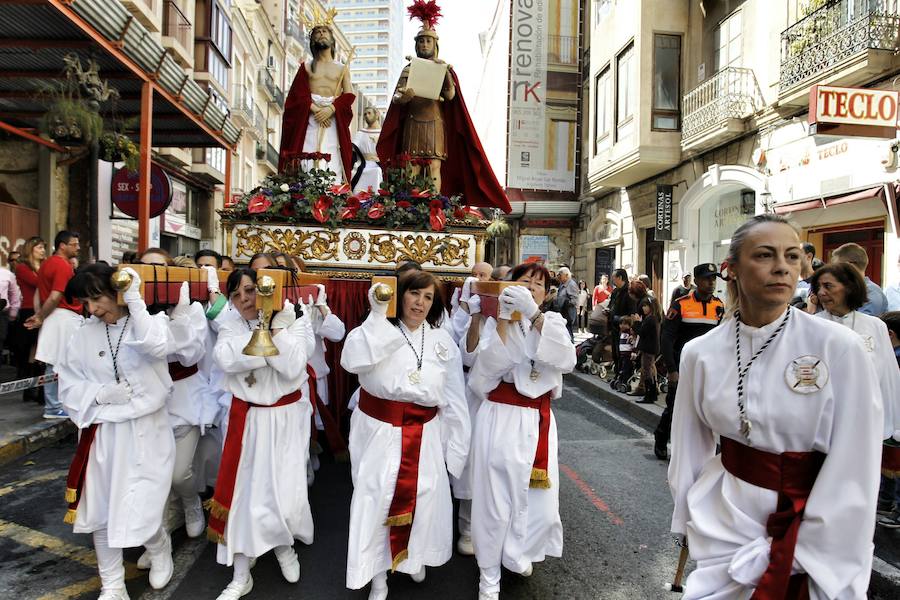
<point>719,217</point>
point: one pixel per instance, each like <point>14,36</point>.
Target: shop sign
<point>124,191</point>
<point>858,112</point>
<point>175,217</point>
<point>663,230</point>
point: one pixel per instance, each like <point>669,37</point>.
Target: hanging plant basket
<point>70,123</point>
<point>115,147</point>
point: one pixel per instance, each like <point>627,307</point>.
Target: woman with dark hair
<point>25,340</point>
<point>260,502</point>
<point>787,509</point>
<point>114,383</point>
<point>583,305</point>
<point>262,260</point>
<point>841,291</point>
<point>517,372</point>
<point>409,372</point>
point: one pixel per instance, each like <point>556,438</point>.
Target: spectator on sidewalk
<point>684,289</point>
<point>25,340</point>
<point>648,345</point>
<point>602,290</point>
<point>57,318</point>
<point>620,306</point>
<point>567,298</point>
<point>857,257</point>
<point>806,271</point>
<point>645,279</point>
<point>10,301</point>
<point>582,306</point>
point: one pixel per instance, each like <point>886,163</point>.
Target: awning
<point>827,202</point>
<point>887,192</point>
<point>545,208</point>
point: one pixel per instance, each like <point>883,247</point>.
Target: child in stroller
<point>595,354</point>
<point>626,341</point>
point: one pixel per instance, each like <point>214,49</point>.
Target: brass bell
<point>261,343</point>
<point>120,280</point>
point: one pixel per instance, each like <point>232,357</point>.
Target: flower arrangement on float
<point>403,201</point>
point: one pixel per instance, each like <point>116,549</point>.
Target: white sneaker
<point>143,563</point>
<point>464,545</point>
<point>528,571</point>
<point>194,521</point>
<point>161,566</point>
<point>117,594</point>
<point>488,595</point>
<point>290,566</point>
<point>378,590</point>
<point>420,576</point>
<point>236,589</point>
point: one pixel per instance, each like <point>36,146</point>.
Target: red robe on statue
<point>466,170</point>
<point>296,120</point>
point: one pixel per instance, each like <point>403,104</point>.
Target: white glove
<point>379,308</point>
<point>285,317</point>
<point>184,302</point>
<point>504,310</point>
<point>519,299</point>
<point>474,304</point>
<point>305,321</point>
<point>134,290</point>
<point>114,393</point>
<point>467,289</point>
<point>212,279</point>
<point>322,298</point>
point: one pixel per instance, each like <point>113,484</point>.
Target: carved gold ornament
<point>354,245</point>
<point>449,251</point>
<point>309,245</point>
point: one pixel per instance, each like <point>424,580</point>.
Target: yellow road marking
<point>63,549</point>
<point>51,476</point>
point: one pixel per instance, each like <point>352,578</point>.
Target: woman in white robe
<point>515,490</point>
<point>841,291</point>
<point>114,383</point>
<point>401,518</point>
<point>806,411</point>
<point>261,503</point>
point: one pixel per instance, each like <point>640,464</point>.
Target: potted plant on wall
<point>116,147</point>
<point>73,117</point>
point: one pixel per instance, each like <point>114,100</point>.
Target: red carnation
<point>404,158</point>
<point>377,211</point>
<point>258,204</point>
<point>320,209</point>
<point>403,204</point>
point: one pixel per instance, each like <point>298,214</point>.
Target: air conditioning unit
<point>270,63</point>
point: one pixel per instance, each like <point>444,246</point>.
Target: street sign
<point>124,191</point>
<point>663,229</point>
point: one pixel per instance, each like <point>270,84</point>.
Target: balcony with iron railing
<point>562,50</point>
<point>278,97</point>
<point>177,33</point>
<point>267,155</point>
<point>836,36</point>
<point>718,108</point>
<point>243,106</point>
<point>293,31</point>
<point>267,82</point>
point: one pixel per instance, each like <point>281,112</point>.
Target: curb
<point>645,414</point>
<point>33,438</point>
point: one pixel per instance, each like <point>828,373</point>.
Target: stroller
<point>662,383</point>
<point>594,355</point>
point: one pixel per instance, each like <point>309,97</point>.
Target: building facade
<point>374,28</point>
<point>690,130</point>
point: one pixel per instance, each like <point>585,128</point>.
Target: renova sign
<point>873,112</point>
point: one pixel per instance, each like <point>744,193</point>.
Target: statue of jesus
<point>319,108</point>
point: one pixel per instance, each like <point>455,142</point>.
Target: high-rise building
<point>375,29</point>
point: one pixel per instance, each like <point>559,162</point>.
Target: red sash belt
<point>792,475</point>
<point>220,504</point>
<point>178,371</point>
<point>890,460</point>
<point>78,471</point>
<point>506,393</point>
<point>411,418</point>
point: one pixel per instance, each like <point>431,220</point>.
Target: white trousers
<point>186,440</point>
<point>109,560</point>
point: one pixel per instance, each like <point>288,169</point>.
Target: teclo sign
<point>831,106</point>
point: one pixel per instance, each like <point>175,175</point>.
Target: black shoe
<point>660,450</point>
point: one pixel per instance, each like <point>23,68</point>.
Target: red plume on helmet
<point>426,11</point>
